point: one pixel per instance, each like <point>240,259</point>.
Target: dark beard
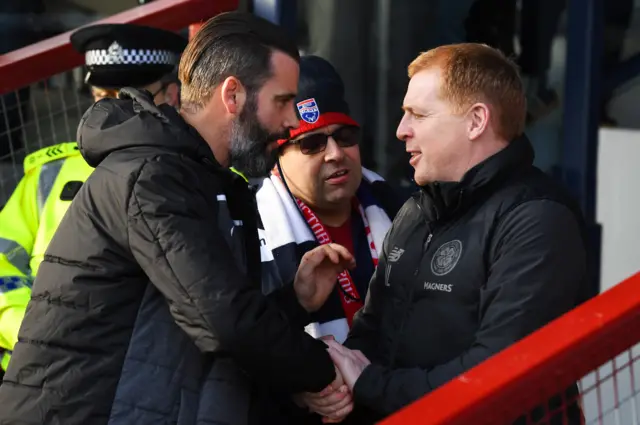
<point>250,143</point>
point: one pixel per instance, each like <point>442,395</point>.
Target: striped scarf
<point>285,237</point>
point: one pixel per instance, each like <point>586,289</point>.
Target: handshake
<point>335,402</point>
<point>314,281</point>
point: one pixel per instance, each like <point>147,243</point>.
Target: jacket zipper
<point>394,350</point>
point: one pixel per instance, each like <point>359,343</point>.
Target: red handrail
<point>54,55</point>
<point>539,366</point>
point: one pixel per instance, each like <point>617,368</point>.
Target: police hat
<point>119,55</point>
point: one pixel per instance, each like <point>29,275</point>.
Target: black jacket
<point>468,269</point>
<point>148,307</point>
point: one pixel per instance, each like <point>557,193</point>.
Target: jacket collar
<point>191,142</point>
<point>439,200</point>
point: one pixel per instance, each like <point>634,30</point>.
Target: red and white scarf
<point>349,296</point>
<point>284,228</point>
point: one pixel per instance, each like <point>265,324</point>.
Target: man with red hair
<point>489,249</point>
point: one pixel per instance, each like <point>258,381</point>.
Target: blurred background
<point>579,60</point>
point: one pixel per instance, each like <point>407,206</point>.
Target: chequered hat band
<point>130,57</point>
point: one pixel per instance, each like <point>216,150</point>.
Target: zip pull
<point>427,242</point>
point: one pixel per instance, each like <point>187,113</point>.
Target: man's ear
<point>478,119</point>
<point>233,95</point>
<point>172,95</point>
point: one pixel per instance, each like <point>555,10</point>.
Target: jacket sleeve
<point>537,268</point>
<point>365,329</point>
<point>18,226</point>
<point>287,301</point>
<point>173,235</point>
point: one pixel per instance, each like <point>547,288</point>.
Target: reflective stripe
<point>48,174</point>
<point>16,254</point>
<point>12,283</point>
<point>6,356</point>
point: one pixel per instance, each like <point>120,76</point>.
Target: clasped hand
<point>335,402</point>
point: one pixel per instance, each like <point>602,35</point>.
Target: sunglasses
<point>345,137</point>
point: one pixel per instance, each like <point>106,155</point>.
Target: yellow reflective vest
<point>52,177</point>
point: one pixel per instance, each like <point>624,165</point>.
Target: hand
<point>350,362</point>
<point>333,403</point>
<point>318,273</point>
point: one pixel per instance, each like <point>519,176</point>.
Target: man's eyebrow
<point>413,110</point>
<point>286,96</point>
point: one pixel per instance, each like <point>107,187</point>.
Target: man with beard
<point>147,307</point>
<point>253,146</point>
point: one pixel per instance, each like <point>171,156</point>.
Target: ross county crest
<point>308,110</point>
<point>446,257</point>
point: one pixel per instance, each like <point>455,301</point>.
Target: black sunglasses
<point>345,137</point>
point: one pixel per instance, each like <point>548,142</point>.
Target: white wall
<point>618,204</point>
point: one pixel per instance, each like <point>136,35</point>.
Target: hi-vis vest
<point>52,177</point>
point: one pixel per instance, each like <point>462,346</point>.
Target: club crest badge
<point>308,110</point>
<point>446,257</point>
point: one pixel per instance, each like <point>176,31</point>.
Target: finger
<point>323,405</point>
<point>325,392</point>
<point>332,409</point>
<point>336,356</point>
<point>343,412</point>
<point>333,254</point>
<point>328,390</point>
<point>346,258</point>
<point>360,356</point>
<point>326,420</point>
<point>328,338</point>
<point>339,347</point>
<point>314,257</point>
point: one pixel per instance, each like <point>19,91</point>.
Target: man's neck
<point>211,133</point>
<point>481,152</point>
<point>335,216</point>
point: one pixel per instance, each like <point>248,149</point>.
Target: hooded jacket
<point>147,307</point>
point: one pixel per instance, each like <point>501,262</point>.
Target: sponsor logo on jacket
<point>440,287</point>
<point>393,257</point>
<point>395,254</point>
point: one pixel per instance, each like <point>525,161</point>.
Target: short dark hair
<point>230,44</point>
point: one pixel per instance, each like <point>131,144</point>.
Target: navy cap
<point>119,55</point>
<point>320,101</point>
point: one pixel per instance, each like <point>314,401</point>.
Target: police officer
<point>116,55</point>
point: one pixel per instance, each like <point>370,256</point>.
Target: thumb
<point>328,338</point>
<point>335,356</point>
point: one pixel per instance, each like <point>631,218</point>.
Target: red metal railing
<point>52,56</point>
<point>544,364</point>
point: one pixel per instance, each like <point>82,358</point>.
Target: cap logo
<point>115,52</point>
<point>308,110</point>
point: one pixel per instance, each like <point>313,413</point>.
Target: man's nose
<point>291,119</point>
<point>333,151</point>
<point>403,130</point>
